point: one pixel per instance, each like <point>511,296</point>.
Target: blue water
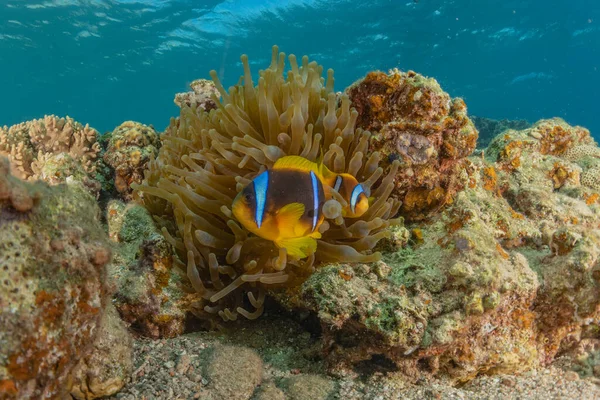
<point>106,61</point>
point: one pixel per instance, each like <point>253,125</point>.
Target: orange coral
<point>555,140</point>
<point>502,252</point>
<point>510,155</point>
<point>490,179</point>
<point>559,175</point>
<point>591,198</point>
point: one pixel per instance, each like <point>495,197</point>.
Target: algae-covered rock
<point>108,366</point>
<point>151,292</point>
<point>542,178</point>
<point>584,358</point>
<point>502,280</point>
<point>53,255</point>
<point>233,372</point>
<point>268,391</point>
<point>308,387</point>
<point>416,122</point>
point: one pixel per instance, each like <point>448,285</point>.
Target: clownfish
<point>353,192</point>
<point>284,204</point>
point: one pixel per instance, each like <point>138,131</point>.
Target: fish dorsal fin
<point>297,163</point>
<point>322,170</point>
<point>290,213</point>
<point>302,164</point>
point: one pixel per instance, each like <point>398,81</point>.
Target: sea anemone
<point>208,157</point>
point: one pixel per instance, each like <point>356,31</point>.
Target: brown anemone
<point>208,157</point>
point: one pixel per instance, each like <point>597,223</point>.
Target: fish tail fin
<point>300,247</point>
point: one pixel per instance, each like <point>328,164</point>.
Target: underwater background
<point>106,61</point>
<point>422,249</point>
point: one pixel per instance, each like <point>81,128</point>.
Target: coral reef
<point>204,94</point>
<point>492,268</point>
<point>416,122</point>
<point>544,183</point>
<point>130,147</point>
<point>207,158</point>
<point>53,290</point>
<point>109,365</point>
<point>54,150</point>
<point>490,128</point>
<point>502,280</point>
<point>150,293</point>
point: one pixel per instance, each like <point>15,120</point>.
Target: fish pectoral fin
<point>316,235</point>
<point>305,230</point>
<point>299,248</point>
<point>290,214</point>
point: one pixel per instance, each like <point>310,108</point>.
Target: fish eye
<point>247,197</point>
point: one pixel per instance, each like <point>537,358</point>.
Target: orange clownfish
<point>284,204</point>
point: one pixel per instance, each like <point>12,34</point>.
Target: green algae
<point>407,270</point>
<point>68,205</point>
<point>137,223</point>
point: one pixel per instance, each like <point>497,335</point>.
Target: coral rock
<point>130,146</point>
<point>417,123</point>
<point>204,94</point>
<point>52,292</point>
<point>109,365</point>
<point>502,280</point>
<point>151,294</point>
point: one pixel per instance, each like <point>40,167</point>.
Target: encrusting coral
<point>415,122</point>
<point>208,157</point>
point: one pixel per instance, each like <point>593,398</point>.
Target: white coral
<point>29,144</point>
<point>578,152</point>
<point>591,178</point>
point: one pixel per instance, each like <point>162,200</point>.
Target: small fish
<point>284,204</point>
<point>353,192</point>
